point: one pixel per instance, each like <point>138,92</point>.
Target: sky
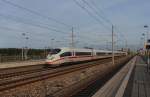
<point>50,23</point>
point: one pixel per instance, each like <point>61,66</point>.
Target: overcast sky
<point>128,17</point>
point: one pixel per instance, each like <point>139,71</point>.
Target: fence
<point>19,58</point>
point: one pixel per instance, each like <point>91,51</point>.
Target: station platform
<point>139,82</point>
<point>21,63</point>
<point>132,80</point>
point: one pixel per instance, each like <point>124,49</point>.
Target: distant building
<point>147,44</point>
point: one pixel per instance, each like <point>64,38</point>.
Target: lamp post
<point>144,46</point>
<point>25,47</point>
<point>143,34</point>
<point>147,30</point>
<point>144,39</point>
<point>147,49</point>
<point>141,42</point>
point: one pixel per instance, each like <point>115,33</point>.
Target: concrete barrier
<point>116,85</point>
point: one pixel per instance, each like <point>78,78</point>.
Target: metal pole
<point>26,48</point>
<point>52,43</point>
<point>72,41</point>
<point>147,60</point>
<point>144,44</point>
<point>113,62</point>
<point>126,45</point>
<point>144,48</point>
<point>22,53</point>
<point>72,44</point>
<point>45,51</point>
<point>147,35</point>
<point>0,58</point>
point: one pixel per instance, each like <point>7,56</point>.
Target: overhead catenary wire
<point>31,20</point>
<point>35,13</point>
<point>18,30</point>
<point>97,13</point>
<point>95,10</point>
<point>102,15</point>
<point>38,14</point>
<point>101,11</point>
<point>91,15</point>
<point>121,35</point>
<point>12,29</point>
<point>21,31</point>
<point>16,19</point>
<point>52,19</point>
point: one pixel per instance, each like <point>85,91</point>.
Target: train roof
<point>76,49</point>
<point>87,50</point>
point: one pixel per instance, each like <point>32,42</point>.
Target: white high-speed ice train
<point>69,55</point>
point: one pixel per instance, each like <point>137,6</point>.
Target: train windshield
<point>54,51</point>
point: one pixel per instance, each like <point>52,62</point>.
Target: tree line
<point>18,51</point>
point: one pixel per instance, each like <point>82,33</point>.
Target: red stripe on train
<point>67,57</point>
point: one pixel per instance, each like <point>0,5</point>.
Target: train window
<point>100,53</point>
<point>148,40</point>
<point>55,51</point>
<point>65,54</point>
<point>82,53</point>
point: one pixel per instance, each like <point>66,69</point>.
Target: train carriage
<point>69,55</point>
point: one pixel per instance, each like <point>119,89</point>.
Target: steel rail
<point>16,71</point>
<point>37,76</point>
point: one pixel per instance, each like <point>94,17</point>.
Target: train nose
<point>47,61</point>
<point>50,57</point>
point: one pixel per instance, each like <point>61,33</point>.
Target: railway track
<point>11,72</point>
<point>92,88</point>
<point>10,80</point>
<point>83,84</point>
<point>8,72</point>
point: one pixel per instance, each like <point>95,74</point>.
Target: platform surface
<point>139,82</point>
<point>21,63</point>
